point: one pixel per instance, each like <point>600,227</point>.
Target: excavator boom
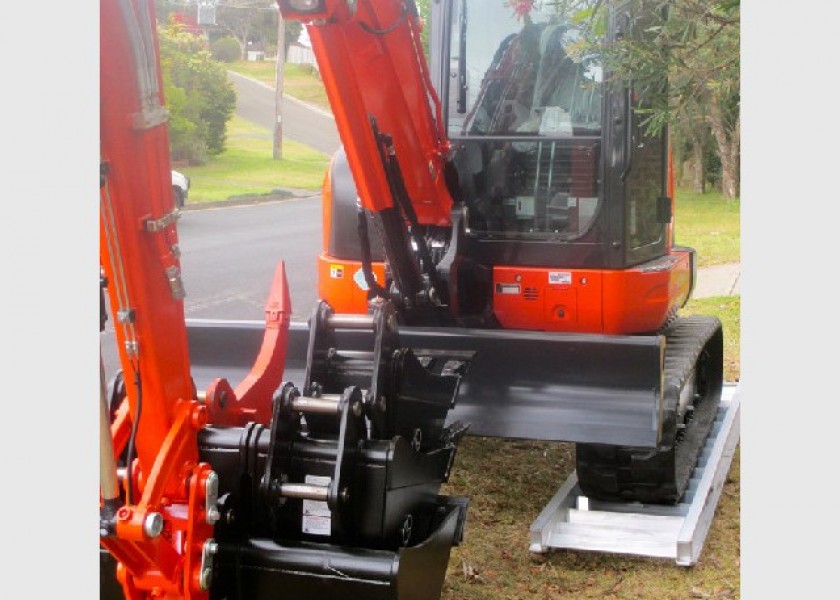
<point>376,78</point>
<point>390,123</point>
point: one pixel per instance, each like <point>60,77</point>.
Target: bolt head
<point>405,530</point>
<point>205,579</point>
<point>198,418</point>
<point>213,515</point>
<point>417,440</point>
<point>153,524</point>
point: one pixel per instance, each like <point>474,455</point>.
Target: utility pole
<point>278,94</point>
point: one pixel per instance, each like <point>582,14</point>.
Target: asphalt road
<point>229,256</point>
<point>301,122</point>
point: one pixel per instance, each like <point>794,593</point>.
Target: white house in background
<point>303,38</point>
<point>255,51</point>
<point>299,54</point>
<point>300,51</point>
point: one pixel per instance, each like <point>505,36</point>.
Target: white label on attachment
<point>317,518</point>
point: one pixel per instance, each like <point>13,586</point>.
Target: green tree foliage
<point>424,8</point>
<point>247,21</point>
<point>696,43</point>
<point>198,94</point>
<point>253,21</point>
<point>225,49</point>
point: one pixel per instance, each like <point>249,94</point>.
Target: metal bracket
<point>155,225</point>
<point>149,118</point>
<point>211,498</point>
<point>176,284</point>
<point>209,549</point>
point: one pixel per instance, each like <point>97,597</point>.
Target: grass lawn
<point>509,483</point>
<point>299,81</point>
<point>728,310</point>
<point>710,224</point>
<point>247,167</point>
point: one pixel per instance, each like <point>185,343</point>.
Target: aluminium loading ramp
<point>573,521</point>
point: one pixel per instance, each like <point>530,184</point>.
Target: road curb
<point>251,200</point>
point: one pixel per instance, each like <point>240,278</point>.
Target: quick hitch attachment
<point>343,484</point>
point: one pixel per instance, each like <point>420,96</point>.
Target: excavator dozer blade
<point>515,384</point>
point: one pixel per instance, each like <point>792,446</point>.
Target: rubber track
<point>622,473</point>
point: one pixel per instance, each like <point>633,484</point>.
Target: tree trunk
<point>679,161</point>
<point>729,148</point>
<point>698,183</point>
<point>241,41</point>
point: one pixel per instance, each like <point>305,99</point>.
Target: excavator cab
<point>554,170</point>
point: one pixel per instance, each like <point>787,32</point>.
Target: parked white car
<point>180,188</point>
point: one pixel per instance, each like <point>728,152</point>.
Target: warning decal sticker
<point>359,278</point>
<point>317,518</point>
<point>559,278</point>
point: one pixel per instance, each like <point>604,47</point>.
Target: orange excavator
<point>498,258</point>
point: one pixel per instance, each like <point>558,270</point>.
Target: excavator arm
<point>155,519</point>
<point>389,120</point>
